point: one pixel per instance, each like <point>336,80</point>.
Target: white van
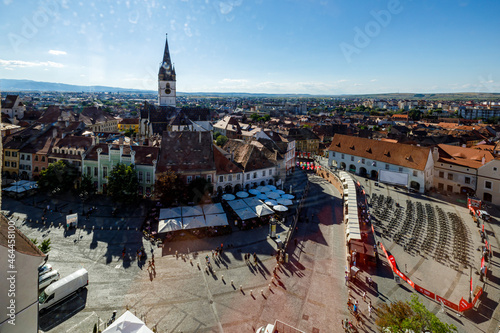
<point>45,279</point>
<point>63,288</point>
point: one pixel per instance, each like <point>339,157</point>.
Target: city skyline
<point>322,47</point>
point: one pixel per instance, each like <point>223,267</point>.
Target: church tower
<point>166,80</point>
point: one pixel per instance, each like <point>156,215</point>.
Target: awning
<point>246,213</point>
<point>215,220</point>
<point>237,204</point>
<point>194,222</point>
<point>191,211</point>
<point>169,225</point>
<point>170,213</point>
<point>252,202</point>
<point>127,323</point>
<point>213,209</point>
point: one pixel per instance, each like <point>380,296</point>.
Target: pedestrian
<point>296,242</point>
<point>364,296</point>
<point>346,279</point>
<point>124,251</point>
<point>370,310</point>
<point>255,258</point>
<point>149,266</point>
<point>153,262</point>
<point>221,247</point>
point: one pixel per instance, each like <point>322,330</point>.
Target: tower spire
<point>167,71</point>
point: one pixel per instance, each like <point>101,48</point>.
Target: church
<point>165,116</point>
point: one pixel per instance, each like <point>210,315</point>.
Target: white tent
<point>169,225</point>
<point>228,197</point>
<point>213,209</point>
<point>194,222</point>
<point>280,208</point>
<point>246,213</point>
<point>215,220</point>
<point>127,323</point>
<point>191,211</point>
<point>263,210</point>
<point>254,191</point>
<point>272,195</point>
<point>237,204</point>
<point>271,202</point>
<point>252,202</point>
<point>170,213</point>
<point>284,202</point>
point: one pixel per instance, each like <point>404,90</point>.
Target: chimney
<point>483,160</point>
<point>435,154</point>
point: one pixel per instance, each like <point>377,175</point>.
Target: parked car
<point>46,279</point>
<point>44,269</point>
<point>63,289</point>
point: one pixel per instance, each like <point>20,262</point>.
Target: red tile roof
<point>408,156</point>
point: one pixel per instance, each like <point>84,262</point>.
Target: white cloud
<point>24,64</point>
<point>373,80</point>
<point>57,52</point>
<point>233,81</point>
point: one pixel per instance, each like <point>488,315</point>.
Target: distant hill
<point>10,85</point>
<point>29,85</point>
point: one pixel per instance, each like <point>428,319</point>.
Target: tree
<point>87,188</point>
<point>221,140</point>
<point>254,116</point>
<point>45,246</point>
<point>59,176</point>
<point>169,188</point>
<point>129,132</point>
<point>410,316</point>
<point>216,135</point>
<point>199,189</point>
<point>123,183</point>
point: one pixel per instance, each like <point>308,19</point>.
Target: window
<point>352,158</point>
<point>22,157</point>
<point>248,176</point>
<point>104,171</point>
<point>209,178</point>
<point>28,157</point>
<point>467,180</point>
<point>148,177</point>
<point>238,177</point>
<point>374,163</point>
<point>43,158</point>
<point>495,169</point>
<point>189,178</point>
<point>230,178</point>
<point>343,156</point>
<point>415,173</point>
<point>400,169</point>
<point>36,158</point>
<point>221,179</point>
<point>441,174</point>
<point>362,161</point>
<point>271,172</point>
<point>89,171</point>
<point>7,153</point>
<point>95,171</point>
<point>14,154</point>
<point>333,154</point>
<point>140,176</point>
<point>450,176</point>
<point>387,166</point>
<point>255,175</point>
<point>36,169</point>
<point>487,185</point>
<point>7,164</point>
<point>14,164</point>
<point>449,188</point>
<point>264,173</point>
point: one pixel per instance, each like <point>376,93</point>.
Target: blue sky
<point>257,46</point>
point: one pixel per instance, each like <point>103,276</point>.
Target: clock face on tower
<point>168,91</point>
